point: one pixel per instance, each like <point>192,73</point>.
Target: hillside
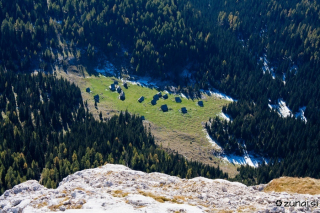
<point>116,188</point>
<point>264,54</point>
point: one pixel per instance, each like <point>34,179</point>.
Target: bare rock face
<point>116,188</point>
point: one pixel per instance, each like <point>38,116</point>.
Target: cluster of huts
<point>164,107</point>
<point>115,87</point>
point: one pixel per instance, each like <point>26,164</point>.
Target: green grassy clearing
<point>172,120</point>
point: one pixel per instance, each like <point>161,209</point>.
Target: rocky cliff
<point>116,188</point>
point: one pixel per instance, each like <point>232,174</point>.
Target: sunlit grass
<point>173,119</point>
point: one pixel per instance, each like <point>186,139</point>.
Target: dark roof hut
<point>141,99</point>
<point>164,108</point>
<point>96,98</point>
<point>156,97</point>
<point>119,89</point>
<point>154,102</point>
<point>159,94</point>
<point>165,96</point>
<point>142,118</point>
<point>184,110</point>
<point>88,90</point>
<point>200,103</point>
<point>122,96</point>
<point>112,87</point>
<point>125,85</point>
<point>178,99</point>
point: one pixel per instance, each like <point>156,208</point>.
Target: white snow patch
<point>247,159</point>
<point>300,114</point>
<point>284,78</point>
<point>281,108</point>
<point>183,96</point>
<point>213,142</point>
<point>225,116</point>
<point>218,94</point>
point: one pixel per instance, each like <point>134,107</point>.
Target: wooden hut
<point>178,99</point>
<point>200,103</point>
<point>122,96</point>
<point>184,110</point>
<point>141,99</point>
<point>164,108</point>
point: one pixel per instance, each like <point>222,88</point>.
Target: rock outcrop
<point>116,188</point>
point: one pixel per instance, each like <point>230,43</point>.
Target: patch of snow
<point>59,22</point>
<point>183,96</point>
<point>281,108</point>
<point>225,116</point>
<point>247,159</point>
<point>213,142</point>
<point>284,78</point>
<point>300,114</point>
<point>218,94</point>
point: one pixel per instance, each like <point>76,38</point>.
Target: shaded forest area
<point>47,133</point>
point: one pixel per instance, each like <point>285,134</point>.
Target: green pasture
<point>173,119</point>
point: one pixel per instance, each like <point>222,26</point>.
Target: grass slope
<point>172,120</point>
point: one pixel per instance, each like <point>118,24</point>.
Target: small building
<point>122,96</point>
<point>88,90</point>
<point>96,98</point>
<point>156,97</point>
<point>125,85</point>
<point>200,103</point>
<point>165,96</point>
<point>184,110</point>
<point>142,118</point>
<point>159,94</point>
<point>178,99</point>
<point>115,82</point>
<point>164,108</point>
<point>141,99</point>
<point>119,89</point>
<point>112,87</point>
<point>154,102</point>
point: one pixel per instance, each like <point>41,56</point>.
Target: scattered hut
<point>141,99</point>
<point>184,110</point>
<point>164,108</point>
<point>125,85</point>
<point>119,89</point>
<point>88,90</point>
<point>165,96</point>
<point>178,99</point>
<point>200,103</point>
<point>115,82</point>
<point>154,102</point>
<point>142,118</point>
<point>122,96</point>
<point>96,98</point>
<point>159,94</point>
<point>112,87</point>
<point>156,97</point>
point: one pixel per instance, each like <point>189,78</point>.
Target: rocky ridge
<point>116,188</point>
